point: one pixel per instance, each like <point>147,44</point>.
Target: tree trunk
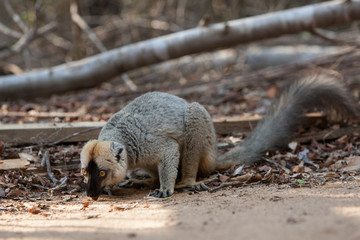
<point>91,71</point>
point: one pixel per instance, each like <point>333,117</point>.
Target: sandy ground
<point>252,212</point>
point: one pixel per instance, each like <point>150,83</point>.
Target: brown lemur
<point>164,135</point>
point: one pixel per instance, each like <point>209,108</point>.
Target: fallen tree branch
<point>18,163</point>
<point>41,134</point>
<point>253,57</point>
<point>269,75</point>
<point>94,70</point>
<point>52,134</point>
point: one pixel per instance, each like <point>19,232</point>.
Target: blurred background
<point>234,81</point>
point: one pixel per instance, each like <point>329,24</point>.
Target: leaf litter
<point>317,164</point>
<point>309,164</point>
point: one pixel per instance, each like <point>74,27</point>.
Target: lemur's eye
<point>102,173</point>
<point>84,172</point>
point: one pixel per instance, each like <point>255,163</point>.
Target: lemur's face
<point>103,163</point>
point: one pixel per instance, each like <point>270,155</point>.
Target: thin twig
<point>16,18</point>
<point>76,189</point>
<point>46,28</point>
<point>123,208</point>
<point>69,198</point>
<point>37,5</point>
<point>26,39</point>
<point>276,164</point>
<point>37,13</point>
<point>70,136</point>
<point>58,41</point>
<point>132,86</point>
<point>211,179</point>
<point>46,162</point>
<point>9,32</point>
<point>61,185</point>
<point>77,19</point>
<point>331,37</point>
<point>39,186</point>
<point>227,184</point>
<point>180,12</point>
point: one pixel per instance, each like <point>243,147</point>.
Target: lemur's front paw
<point>162,193</point>
<point>107,190</point>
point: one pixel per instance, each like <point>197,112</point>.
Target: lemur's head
<point>103,163</point>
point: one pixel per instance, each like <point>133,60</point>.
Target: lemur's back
<point>153,113</point>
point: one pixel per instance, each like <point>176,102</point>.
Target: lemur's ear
<point>116,149</point>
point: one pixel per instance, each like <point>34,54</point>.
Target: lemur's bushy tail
<point>286,115</point>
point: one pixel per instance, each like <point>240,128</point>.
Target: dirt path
<point>257,212</point>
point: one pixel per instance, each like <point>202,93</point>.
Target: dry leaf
<point>298,169</point>
<point>15,193</point>
<point>265,168</point>
<point>118,208</point>
<point>335,126</point>
<point>343,139</point>
<point>353,164</point>
<point>242,178</point>
<point>2,148</point>
<point>223,178</point>
<point>269,176</point>
<point>250,177</point>
<point>349,164</point>
<point>29,157</point>
<point>34,210</point>
<point>293,145</point>
<point>234,140</point>
<point>272,92</point>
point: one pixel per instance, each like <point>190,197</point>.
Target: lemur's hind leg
<point>199,151</point>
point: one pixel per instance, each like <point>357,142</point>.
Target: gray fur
<point>161,132</point>
<point>285,116</point>
<point>116,149</point>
